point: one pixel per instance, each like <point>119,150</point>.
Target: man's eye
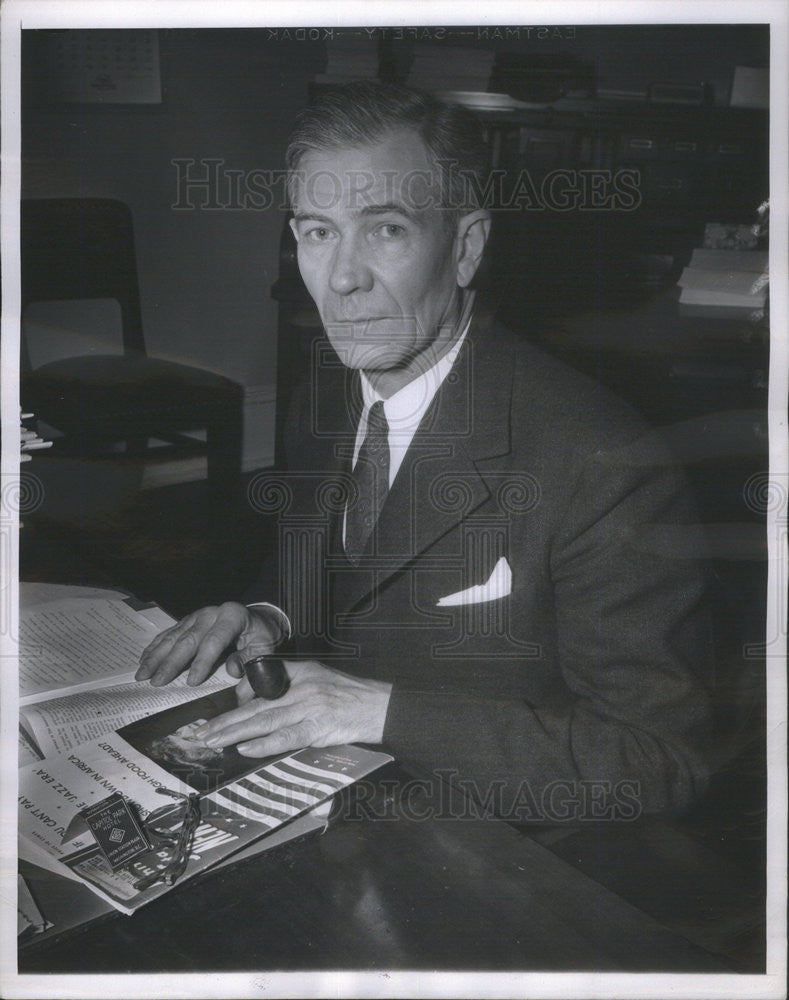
<point>319,234</point>
<point>390,231</point>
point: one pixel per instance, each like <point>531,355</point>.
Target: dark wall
<point>232,95</point>
<point>205,275</point>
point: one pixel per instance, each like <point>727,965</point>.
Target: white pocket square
<point>499,584</point>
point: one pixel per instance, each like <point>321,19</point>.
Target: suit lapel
<point>441,481</point>
<point>319,464</point>
<point>329,417</point>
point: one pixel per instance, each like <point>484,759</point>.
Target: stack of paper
<point>77,660</point>
<point>29,440</point>
<point>93,737</point>
<point>724,284</point>
<point>450,68</point>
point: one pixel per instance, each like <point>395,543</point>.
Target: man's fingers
<point>180,654</point>
<point>157,641</point>
<point>244,692</point>
<point>198,642</point>
<point>209,652</point>
<point>156,650</point>
<point>177,652</point>
<point>201,640</point>
<point>249,722</point>
<point>231,718</point>
<point>321,707</point>
<point>288,738</point>
<point>235,662</point>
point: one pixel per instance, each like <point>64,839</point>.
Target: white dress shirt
<point>405,408</point>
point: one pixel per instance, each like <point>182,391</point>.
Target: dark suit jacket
<point>579,693</point>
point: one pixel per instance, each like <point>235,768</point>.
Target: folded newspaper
<point>241,799</point>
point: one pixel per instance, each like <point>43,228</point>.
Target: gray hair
<point>361,113</point>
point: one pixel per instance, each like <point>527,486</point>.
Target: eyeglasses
<point>185,812</point>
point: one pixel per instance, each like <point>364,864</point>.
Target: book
<point>241,799</point>
<point>29,439</point>
<point>720,280</point>
<point>718,297</point>
<point>725,283</point>
<point>740,314</point>
<point>77,660</point>
<point>730,260</point>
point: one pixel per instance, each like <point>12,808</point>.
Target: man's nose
<point>350,272</point>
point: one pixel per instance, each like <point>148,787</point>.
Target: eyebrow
<point>311,217</point>
<point>383,209</point>
<point>389,206</point>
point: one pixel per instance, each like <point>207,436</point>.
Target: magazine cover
<point>241,799</point>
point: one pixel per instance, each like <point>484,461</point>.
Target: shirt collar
<point>405,408</point>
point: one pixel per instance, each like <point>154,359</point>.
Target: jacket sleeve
<point>634,646</point>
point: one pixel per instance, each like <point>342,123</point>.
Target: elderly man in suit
<point>471,569</point>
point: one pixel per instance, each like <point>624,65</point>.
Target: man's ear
<point>294,229</point>
<point>472,235</point>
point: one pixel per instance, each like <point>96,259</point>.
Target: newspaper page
<point>74,644</point>
<point>242,799</point>
<point>61,724</point>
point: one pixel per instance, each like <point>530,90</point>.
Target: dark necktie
<point>371,475</point>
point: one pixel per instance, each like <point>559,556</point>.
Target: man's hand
<point>201,641</point>
<point>323,707</point>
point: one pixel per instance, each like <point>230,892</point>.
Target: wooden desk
<point>383,889</point>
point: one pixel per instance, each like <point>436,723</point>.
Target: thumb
<point>244,692</point>
<point>235,662</point>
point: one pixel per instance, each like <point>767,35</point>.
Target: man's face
<point>375,253</point>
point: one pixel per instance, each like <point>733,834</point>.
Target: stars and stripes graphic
<point>208,838</point>
<point>279,791</point>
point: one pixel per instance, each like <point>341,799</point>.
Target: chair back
<point>81,248</point>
